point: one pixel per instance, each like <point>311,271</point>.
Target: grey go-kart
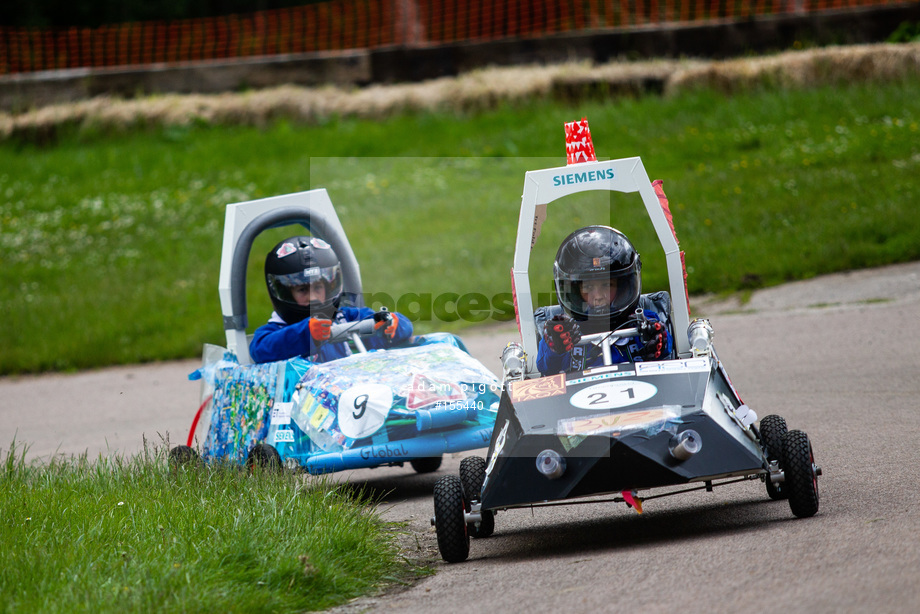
<point>626,432</point>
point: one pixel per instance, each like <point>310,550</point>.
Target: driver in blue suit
<point>597,274</point>
<point>304,279</point>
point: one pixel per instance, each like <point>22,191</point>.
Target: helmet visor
<point>599,296</point>
<point>331,277</point>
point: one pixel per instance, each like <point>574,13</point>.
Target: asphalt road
<point>838,357</point>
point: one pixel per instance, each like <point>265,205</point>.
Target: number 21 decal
<point>612,395</point>
<point>601,398</point>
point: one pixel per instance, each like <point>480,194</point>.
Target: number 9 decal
<point>613,395</point>
<point>363,409</point>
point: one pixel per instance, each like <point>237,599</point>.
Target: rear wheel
<point>449,505</point>
<point>182,456</point>
<point>472,476</point>
<point>264,457</point>
<point>428,464</point>
<point>801,474</point>
<point>772,429</point>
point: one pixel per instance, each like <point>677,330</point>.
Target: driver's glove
<point>320,329</point>
<point>386,322</point>
<point>561,334</point>
<point>653,337</point>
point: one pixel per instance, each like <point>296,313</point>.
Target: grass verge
<point>138,535</point>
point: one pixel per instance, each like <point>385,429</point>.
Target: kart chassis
<point>465,506</point>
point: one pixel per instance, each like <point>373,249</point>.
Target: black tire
<point>472,476</point>
<point>801,474</point>
<point>264,457</point>
<point>449,505</point>
<point>182,456</point>
<point>772,429</point>
<point>428,464</point>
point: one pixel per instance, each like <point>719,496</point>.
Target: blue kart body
<point>410,403</point>
<point>377,408</point>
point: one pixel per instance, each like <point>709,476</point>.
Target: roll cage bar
<point>626,175</point>
<point>244,221</point>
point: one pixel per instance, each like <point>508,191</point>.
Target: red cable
<point>191,433</point>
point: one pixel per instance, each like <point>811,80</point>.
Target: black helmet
<point>598,253</point>
<point>301,261</point>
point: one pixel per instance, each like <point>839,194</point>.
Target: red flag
<point>578,145</point>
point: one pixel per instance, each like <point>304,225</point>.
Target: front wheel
<point>772,429</point>
<point>427,464</point>
<point>449,506</point>
<point>801,474</point>
<point>472,476</point>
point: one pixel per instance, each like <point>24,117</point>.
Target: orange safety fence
<point>361,24</point>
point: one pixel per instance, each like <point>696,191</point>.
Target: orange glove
<point>320,329</point>
<point>387,322</point>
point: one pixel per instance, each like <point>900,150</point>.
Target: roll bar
<point>244,221</point>
<point>542,187</point>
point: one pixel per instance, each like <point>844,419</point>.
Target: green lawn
<point>110,243</point>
